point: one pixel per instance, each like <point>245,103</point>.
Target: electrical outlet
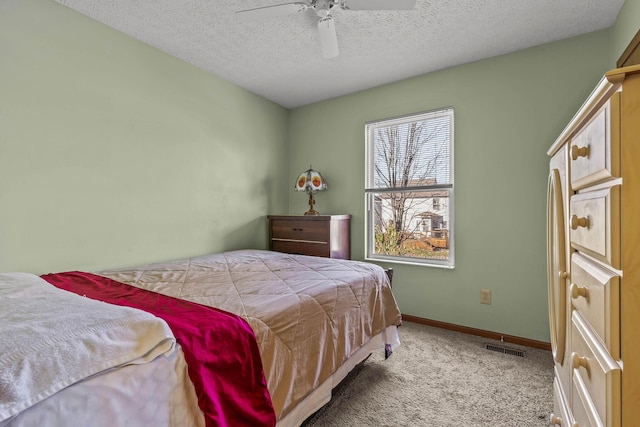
<point>485,296</point>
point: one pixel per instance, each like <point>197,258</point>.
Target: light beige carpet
<point>444,378</point>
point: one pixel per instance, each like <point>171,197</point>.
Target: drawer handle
<point>579,152</point>
<point>579,222</point>
<point>578,361</point>
<point>562,275</point>
<point>297,229</point>
<point>555,420</point>
<point>578,291</point>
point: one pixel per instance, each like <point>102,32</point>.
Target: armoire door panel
<point>556,267</point>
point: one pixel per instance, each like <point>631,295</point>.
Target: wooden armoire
<point>593,229</point>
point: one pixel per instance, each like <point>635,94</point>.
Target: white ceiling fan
<point>323,8</point>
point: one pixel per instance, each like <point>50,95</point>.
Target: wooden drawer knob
<point>577,152</point>
<point>578,361</point>
<point>578,222</point>
<point>562,275</point>
<point>555,420</point>
<point>578,291</point>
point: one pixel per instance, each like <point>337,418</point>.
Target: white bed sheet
<point>158,394</point>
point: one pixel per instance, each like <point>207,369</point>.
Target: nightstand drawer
<point>594,223</point>
<point>595,293</point>
<point>301,248</point>
<point>317,231</point>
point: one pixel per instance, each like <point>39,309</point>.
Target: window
<point>409,189</point>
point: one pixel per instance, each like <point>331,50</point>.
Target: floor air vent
<point>505,350</point>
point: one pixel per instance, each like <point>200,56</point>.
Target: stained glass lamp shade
<point>311,181</point>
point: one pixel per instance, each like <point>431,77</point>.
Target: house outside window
<point>409,189</point>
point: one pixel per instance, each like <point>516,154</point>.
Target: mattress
<point>311,315</point>
<point>158,393</point>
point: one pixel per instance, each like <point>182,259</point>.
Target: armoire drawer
<point>595,293</point>
<point>594,152</point>
<point>596,377</point>
<point>584,411</point>
<point>594,224</point>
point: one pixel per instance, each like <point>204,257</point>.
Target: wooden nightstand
<point>318,235</point>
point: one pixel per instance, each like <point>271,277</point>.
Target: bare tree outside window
<point>410,189</point>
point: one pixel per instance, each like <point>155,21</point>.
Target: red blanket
<point>220,348</point>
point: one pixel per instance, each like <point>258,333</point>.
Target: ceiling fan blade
<point>328,37</point>
<point>273,11</point>
<point>378,4</point>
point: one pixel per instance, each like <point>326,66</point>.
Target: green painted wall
<point>113,153</point>
<point>626,26</point>
<point>508,111</point>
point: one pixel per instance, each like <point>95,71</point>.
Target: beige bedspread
<point>309,314</point>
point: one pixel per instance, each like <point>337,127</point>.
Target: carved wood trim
<point>631,55</point>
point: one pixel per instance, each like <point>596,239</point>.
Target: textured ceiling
<point>281,59</point>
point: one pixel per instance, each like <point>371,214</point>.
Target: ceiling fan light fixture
<point>328,37</point>
<point>322,7</point>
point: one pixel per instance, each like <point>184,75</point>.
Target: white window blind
<point>409,188</point>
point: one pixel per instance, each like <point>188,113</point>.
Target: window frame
<point>371,190</point>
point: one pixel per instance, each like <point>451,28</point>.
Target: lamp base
<point>312,202</point>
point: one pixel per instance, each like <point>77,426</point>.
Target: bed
<point>313,319</point>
